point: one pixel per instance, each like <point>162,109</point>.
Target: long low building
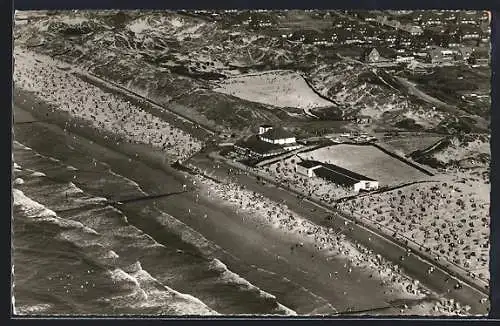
<point>337,175</point>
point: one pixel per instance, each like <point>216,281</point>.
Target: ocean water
<point>76,251</point>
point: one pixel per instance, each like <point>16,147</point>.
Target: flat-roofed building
<point>337,175</point>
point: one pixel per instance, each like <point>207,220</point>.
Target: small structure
<point>337,175</point>
<point>371,55</point>
<point>405,59</point>
<point>269,142</point>
<point>440,55</point>
<point>276,135</point>
<point>414,30</point>
<point>479,57</point>
<point>465,52</point>
<point>264,128</point>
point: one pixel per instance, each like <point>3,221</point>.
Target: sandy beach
<point>291,240</point>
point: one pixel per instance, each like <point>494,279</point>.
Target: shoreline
<point>154,159</point>
<point>151,160</point>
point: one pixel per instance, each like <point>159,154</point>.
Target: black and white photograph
<point>251,163</point>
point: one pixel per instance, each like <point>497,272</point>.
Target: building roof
<point>256,145</point>
<point>277,133</point>
<point>369,51</point>
<point>336,173</point>
<point>383,52</point>
<point>309,164</point>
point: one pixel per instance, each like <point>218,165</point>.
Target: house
<point>269,142</point>
<point>371,55</point>
<point>465,52</point>
<point>404,59</point>
<point>264,128</point>
<point>440,55</point>
<point>379,55</point>
<point>337,175</point>
<point>275,135</point>
<point>363,120</point>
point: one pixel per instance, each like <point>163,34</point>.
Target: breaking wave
<point>103,236</point>
<point>40,213</point>
<point>147,292</point>
<point>229,277</point>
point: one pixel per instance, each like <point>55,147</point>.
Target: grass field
<point>278,88</point>
<point>368,161</point>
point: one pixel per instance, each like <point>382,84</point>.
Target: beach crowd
<point>104,111</point>
<point>459,221</point>
<point>446,219</point>
<point>326,242</point>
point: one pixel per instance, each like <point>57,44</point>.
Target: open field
<point>276,88</point>
<point>448,218</point>
<point>368,161</point>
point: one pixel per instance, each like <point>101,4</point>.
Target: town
<point>432,37</point>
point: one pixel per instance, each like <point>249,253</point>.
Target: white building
<point>264,128</point>
<point>404,59</point>
<point>275,135</point>
<point>307,168</point>
<point>337,175</point>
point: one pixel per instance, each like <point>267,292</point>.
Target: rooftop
<point>336,173</point>
<point>256,145</point>
<point>309,164</point>
<point>277,133</point>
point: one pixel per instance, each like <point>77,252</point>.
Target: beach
<point>334,271</point>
